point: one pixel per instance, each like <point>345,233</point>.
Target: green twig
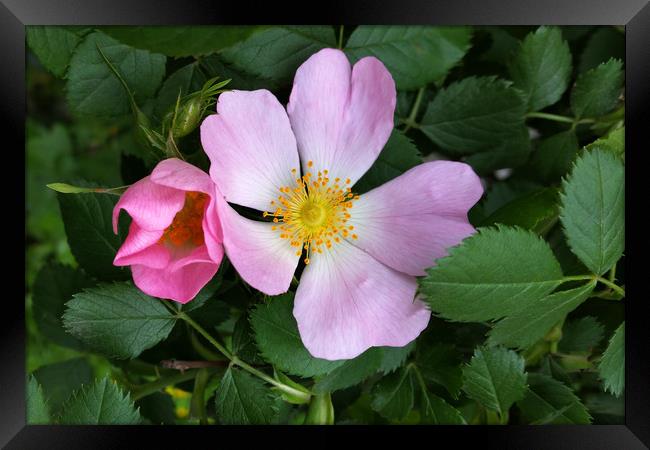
<point>151,388</point>
<point>341,38</point>
<point>410,120</point>
<point>238,362</point>
<point>197,404</point>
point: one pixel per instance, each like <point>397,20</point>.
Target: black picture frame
<point>634,14</point>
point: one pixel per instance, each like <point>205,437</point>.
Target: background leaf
<point>490,274</point>
<point>53,287</point>
<point>436,411</point>
<point>414,55</point>
<point>242,399</point>
<point>54,45</point>
<point>393,396</point>
<point>542,67</point>
<point>537,211</point>
<point>276,53</point>
<point>277,337</point>
<point>596,91</point>
<point>553,157</point>
<point>118,320</point>
<point>352,372</point>
<point>187,79</point>
<point>592,212</point>
<point>535,319</point>
<point>612,365</point>
<point>478,115</point>
<point>440,363</point>
<point>102,403</point>
<point>495,378</point>
<point>92,89</point>
<point>398,156</point>
<point>581,335</point>
<point>59,380</point>
<point>181,41</point>
<point>548,401</point>
<point>38,412</point>
<point>87,220</point>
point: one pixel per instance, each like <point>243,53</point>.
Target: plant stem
<point>612,273</point>
<point>149,388</point>
<point>238,362</point>
<point>410,120</point>
<point>197,404</point>
<point>547,116</point>
<point>341,37</point>
<point>619,290</point>
<point>206,335</point>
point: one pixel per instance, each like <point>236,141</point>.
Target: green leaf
<point>242,399</point>
<point>495,378</point>
<point>414,55</point>
<point>554,156</point>
<point>614,143</point>
<point>277,337</point>
<point>93,89</point>
<point>440,363</point>
<point>187,79</point>
<point>118,320</point>
<point>392,396</point>
<point>490,274</point>
<point>537,212</point>
<point>102,403</point>
<point>394,357</point>
<point>277,52</point>
<point>214,66</point>
<point>87,221</point>
<point>593,211</point>
<point>243,341</point>
<point>352,372</point>
<point>181,41</point>
<point>581,335</point>
<point>398,156</point>
<point>477,115</point>
<point>605,43</point>
<point>38,411</point>
<point>55,284</point>
<point>54,45</point>
<point>157,408</point>
<point>612,364</point>
<point>596,91</point>
<point>535,318</point>
<point>542,67</point>
<point>548,401</point>
<point>436,411</point>
<point>60,380</point>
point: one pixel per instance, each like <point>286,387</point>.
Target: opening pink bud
<point>174,245</point>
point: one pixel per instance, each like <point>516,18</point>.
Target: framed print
<point>406,218</point>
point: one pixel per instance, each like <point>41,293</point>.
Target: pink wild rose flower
<point>362,253</point>
<point>174,245</point>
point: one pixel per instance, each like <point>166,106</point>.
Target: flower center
<point>313,212</point>
<point>187,227</point>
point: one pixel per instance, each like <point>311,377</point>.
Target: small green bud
<point>188,117</point>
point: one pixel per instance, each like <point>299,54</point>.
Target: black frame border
<point>634,14</point>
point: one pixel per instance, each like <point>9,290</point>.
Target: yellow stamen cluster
<point>313,214</point>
